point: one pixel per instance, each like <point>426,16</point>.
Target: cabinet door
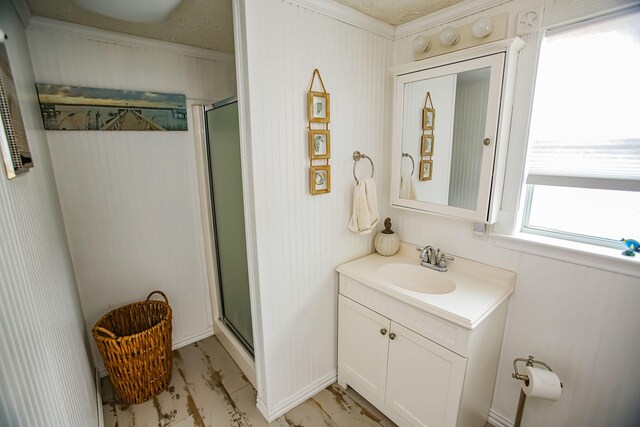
<point>424,380</point>
<point>362,347</point>
<point>461,132</point>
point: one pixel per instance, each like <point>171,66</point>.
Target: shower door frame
<point>212,198</point>
<point>227,338</point>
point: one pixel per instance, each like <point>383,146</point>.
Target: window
<point>583,180</point>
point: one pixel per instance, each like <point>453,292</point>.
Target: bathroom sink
<point>417,278</point>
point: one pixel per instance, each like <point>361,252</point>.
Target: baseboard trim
<point>184,341</point>
<point>498,420</point>
<point>99,398</point>
<point>270,414</point>
<point>190,339</point>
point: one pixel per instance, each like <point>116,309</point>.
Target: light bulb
<point>421,44</point>
<point>482,27</point>
<point>449,36</point>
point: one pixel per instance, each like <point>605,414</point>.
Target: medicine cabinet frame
<point>501,58</point>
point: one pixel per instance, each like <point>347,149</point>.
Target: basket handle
<point>103,331</point>
<point>161,293</point>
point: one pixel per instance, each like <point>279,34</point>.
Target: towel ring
<point>413,163</point>
<point>357,156</point>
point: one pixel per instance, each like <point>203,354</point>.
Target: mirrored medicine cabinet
<point>450,131</point>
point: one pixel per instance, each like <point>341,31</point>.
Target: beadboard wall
<point>130,199</point>
<point>469,127</point>
<point>46,377</point>
<point>301,239</point>
<point>580,320</point>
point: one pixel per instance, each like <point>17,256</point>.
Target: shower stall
<point>222,141</point>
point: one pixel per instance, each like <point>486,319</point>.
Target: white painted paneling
<point>46,378</point>
<point>442,90</point>
<point>130,199</point>
<point>303,238</point>
<point>468,131</point>
<point>584,323</point>
<point>580,320</point>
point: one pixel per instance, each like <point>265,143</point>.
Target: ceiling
<point>209,23</point>
<point>396,12</point>
<point>202,23</point>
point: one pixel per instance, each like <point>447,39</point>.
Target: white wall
<point>580,320</point>
<point>46,376</point>
<point>443,96</point>
<point>469,128</point>
<point>303,238</point>
<point>130,199</point>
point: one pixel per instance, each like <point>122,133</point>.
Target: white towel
<point>407,187</point>
<point>364,216</point>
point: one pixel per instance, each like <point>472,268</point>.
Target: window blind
<point>585,127</point>
<point>602,164</point>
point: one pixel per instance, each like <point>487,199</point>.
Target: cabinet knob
<point>486,141</point>
<point>383,331</point>
<point>392,336</point>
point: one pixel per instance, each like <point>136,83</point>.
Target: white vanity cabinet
<point>417,368</point>
<point>424,380</point>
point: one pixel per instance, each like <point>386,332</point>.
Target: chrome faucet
<point>434,259</point>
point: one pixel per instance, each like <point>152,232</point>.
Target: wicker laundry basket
<point>135,345</point>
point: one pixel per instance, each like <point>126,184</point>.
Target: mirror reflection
<point>443,126</point>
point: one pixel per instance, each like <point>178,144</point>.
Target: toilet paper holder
<point>528,362</point>
<point>523,377</point>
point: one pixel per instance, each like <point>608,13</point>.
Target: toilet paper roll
<point>542,383</point>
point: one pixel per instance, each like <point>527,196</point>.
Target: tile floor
<point>208,389</point>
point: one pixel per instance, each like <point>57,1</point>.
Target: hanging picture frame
<point>319,144</point>
<point>320,179</point>
<point>426,148</point>
<point>319,107</point>
<point>426,170</point>
<point>319,103</point>
<point>428,118</point>
<point>319,115</point>
<point>428,114</point>
<point>66,108</point>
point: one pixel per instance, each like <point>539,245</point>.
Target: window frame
<point>526,227</point>
<point>522,224</point>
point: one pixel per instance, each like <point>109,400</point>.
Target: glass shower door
<point>223,146</point>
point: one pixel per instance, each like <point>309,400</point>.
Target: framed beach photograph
<point>319,144</point>
<point>426,170</point>
<point>320,179</point>
<point>65,107</point>
<point>428,118</point>
<point>427,145</point>
<point>319,108</point>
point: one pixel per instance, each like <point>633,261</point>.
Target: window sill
<point>576,253</point>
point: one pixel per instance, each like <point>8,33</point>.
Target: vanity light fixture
<point>449,36</point>
<point>421,44</point>
<point>482,27</point>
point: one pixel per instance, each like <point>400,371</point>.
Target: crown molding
<point>40,23</point>
<point>443,16</point>
<point>347,15</point>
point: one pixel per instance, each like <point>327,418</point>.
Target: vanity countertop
<point>479,288</point>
